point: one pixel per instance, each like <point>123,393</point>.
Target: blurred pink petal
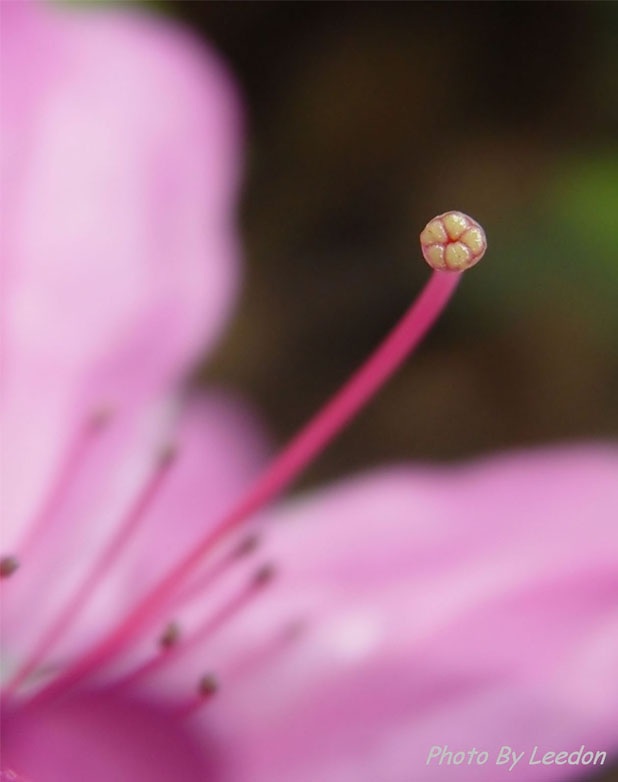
<point>472,606</point>
<point>433,610</point>
<point>120,739</point>
<point>219,448</point>
<point>121,161</point>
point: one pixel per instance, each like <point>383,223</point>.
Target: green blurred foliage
<point>585,201</point>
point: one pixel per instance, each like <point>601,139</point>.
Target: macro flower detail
<point>165,615</point>
<point>453,242</point>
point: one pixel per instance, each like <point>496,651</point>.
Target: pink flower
<point>371,627</point>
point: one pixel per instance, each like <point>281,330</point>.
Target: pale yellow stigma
<point>453,242</point>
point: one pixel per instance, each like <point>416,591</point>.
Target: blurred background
<point>365,119</point>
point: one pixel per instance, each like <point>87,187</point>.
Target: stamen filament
<point>191,590</point>
<point>303,448</point>
<point>208,627</point>
<point>207,688</point>
<point>256,657</point>
<point>64,481</point>
<point>93,577</point>
<point>246,666</point>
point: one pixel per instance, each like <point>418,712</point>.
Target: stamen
<point>453,242</point>
<point>264,575</point>
<point>84,591</point>
<point>300,452</point>
<point>8,565</point>
<point>252,663</point>
<point>254,659</point>
<point>212,624</point>
<point>246,547</point>
<point>207,687</point>
<point>65,479</point>
<point>170,636</point>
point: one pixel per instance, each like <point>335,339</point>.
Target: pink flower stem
<point>80,596</point>
<point>303,448</point>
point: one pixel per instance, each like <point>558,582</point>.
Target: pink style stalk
<point>396,613</point>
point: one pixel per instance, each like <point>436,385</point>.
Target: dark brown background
<point>365,120</point>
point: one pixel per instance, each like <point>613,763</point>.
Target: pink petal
<point>219,448</point>
<point>121,144</point>
<point>103,736</point>
<point>469,607</point>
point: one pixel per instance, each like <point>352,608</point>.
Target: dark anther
<point>100,418</point>
<point>8,565</point>
<point>264,575</point>
<point>167,455</point>
<point>247,545</point>
<point>208,685</point>
<point>170,636</point>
